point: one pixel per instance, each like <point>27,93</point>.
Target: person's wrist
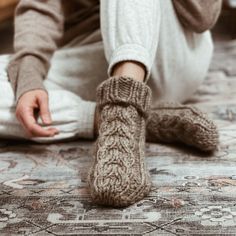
<point>34,90</point>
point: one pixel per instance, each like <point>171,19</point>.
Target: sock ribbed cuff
<point>124,91</point>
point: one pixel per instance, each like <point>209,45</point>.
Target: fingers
<point>28,121</point>
<point>45,113</point>
<point>26,110</point>
<point>44,110</point>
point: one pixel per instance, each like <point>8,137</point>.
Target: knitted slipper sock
<point>118,176</point>
<point>172,122</point>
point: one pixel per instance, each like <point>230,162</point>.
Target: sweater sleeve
<point>198,15</point>
<point>38,31</point>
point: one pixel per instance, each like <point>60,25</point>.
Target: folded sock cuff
<point>125,91</point>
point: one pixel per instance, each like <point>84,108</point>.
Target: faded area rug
<point>44,192</point>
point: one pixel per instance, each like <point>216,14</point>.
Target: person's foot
<point>118,176</point>
<point>172,122</point>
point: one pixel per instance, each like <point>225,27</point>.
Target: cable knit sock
<point>118,176</point>
<point>172,122</point>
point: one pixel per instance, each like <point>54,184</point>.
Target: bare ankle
<point>131,69</point>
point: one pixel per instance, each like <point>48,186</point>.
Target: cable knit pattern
<point>172,122</point>
<point>118,176</point>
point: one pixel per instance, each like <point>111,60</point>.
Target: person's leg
<point>130,36</point>
<point>130,32</point>
<point>73,116</point>
<point>182,59</point>
<point>181,64</point>
<point>76,71</point>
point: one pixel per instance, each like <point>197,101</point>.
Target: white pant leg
<point>150,32</point>
<point>76,71</point>
<point>73,116</point>
<point>182,59</point>
<point>80,66</point>
<point>130,31</point>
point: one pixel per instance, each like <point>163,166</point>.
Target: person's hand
<point>30,103</point>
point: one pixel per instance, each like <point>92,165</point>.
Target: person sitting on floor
<point>155,55</point>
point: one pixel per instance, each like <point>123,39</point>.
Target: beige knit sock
<point>172,122</point>
<point>118,176</point>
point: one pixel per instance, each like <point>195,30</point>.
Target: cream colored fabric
<point>179,66</point>
<point>130,28</point>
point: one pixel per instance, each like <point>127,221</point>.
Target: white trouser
<point>177,59</point>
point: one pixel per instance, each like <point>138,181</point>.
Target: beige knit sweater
<point>41,27</point>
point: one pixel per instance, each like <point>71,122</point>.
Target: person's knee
<point>178,78</point>
<point>178,86</point>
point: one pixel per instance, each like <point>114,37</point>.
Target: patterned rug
<point>44,192</point>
